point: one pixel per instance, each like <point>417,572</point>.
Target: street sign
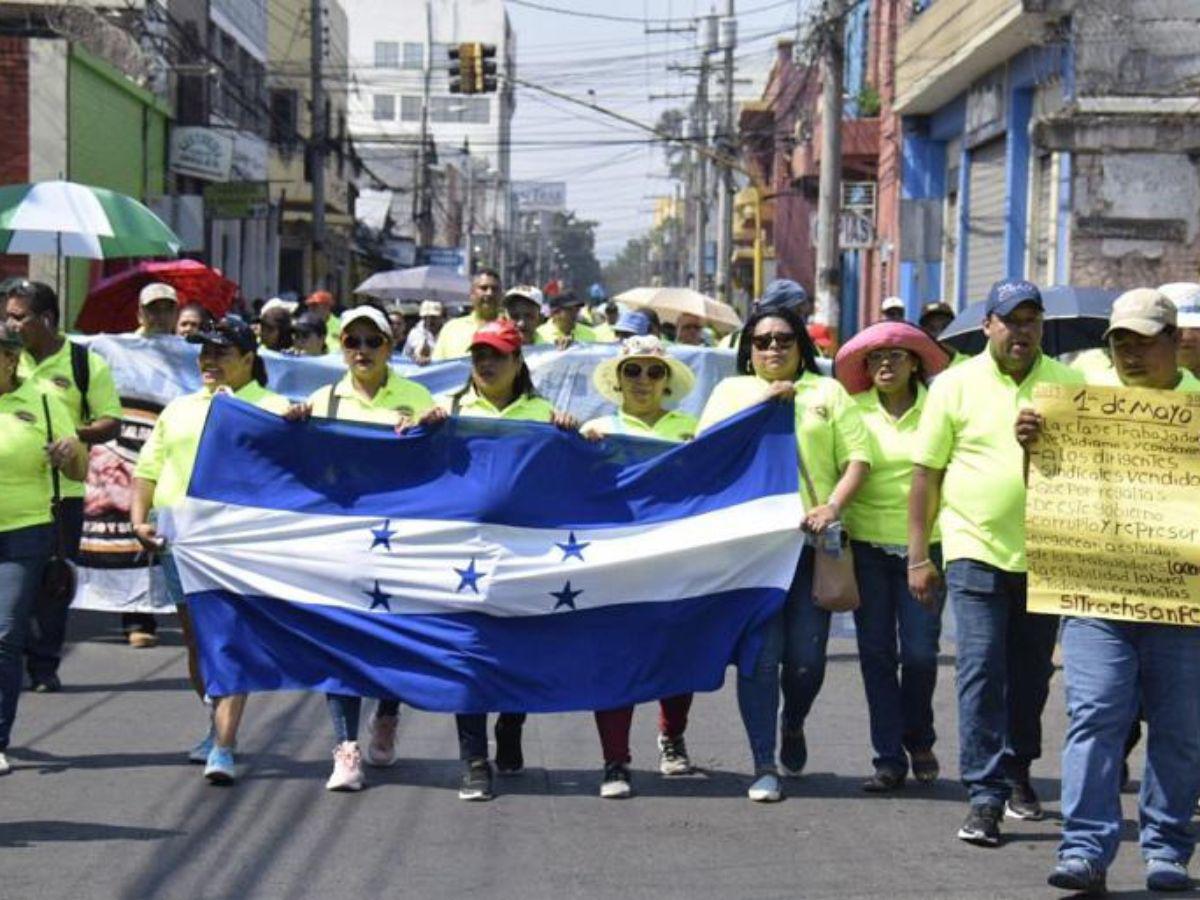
<point>540,196</point>
<point>450,257</point>
<point>856,231</point>
<point>236,199</point>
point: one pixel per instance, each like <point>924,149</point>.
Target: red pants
<point>614,724</point>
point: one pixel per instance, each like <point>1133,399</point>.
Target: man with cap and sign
<point>1114,667</point>
<point>968,464</point>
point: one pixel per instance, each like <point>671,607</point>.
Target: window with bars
<point>385,108</point>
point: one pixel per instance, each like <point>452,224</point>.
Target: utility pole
<point>830,200</point>
<point>317,147</point>
<point>728,42</point>
<point>468,210</point>
<point>422,202</point>
<point>707,35</point>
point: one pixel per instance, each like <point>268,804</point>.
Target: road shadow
<point>137,686</point>
<point>50,764</point>
<point>30,832</point>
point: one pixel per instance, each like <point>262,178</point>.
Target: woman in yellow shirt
<point>885,369</point>
<point>499,387</point>
<point>776,360</point>
<point>369,392</point>
<point>639,379</point>
<point>229,363</point>
<point>27,418</point>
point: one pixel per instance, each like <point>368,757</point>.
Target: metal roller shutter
<point>985,224</point>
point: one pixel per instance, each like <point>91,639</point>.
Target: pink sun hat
<point>850,364</point>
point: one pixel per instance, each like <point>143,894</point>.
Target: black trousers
<point>472,732</point>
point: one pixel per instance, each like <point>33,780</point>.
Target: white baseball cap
<point>274,303</point>
<point>1186,297</point>
<point>368,314</point>
<point>890,303</point>
<point>156,291</point>
<point>431,308</point>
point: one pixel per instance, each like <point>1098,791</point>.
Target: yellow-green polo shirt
<point>333,334</point>
<point>396,397</point>
<point>1093,363</point>
<point>582,334</point>
<point>674,426</point>
<point>878,513</point>
<point>830,433</point>
<point>603,333</point>
<point>968,429</point>
<point>54,376</point>
<point>169,454</point>
<point>455,337</point>
<point>1188,383</point>
<point>525,408</point>
<point>25,484</point>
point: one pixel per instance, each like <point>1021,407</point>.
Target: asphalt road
<point>101,803</point>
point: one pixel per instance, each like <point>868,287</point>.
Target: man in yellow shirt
<point>523,305</point>
<point>82,380</point>
<point>967,461</point>
<point>320,304</point>
<point>564,327</point>
<point>454,339</point>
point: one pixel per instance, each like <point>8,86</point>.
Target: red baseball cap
<point>499,334</point>
<point>319,298</point>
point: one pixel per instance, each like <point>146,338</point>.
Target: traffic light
<point>462,69</point>
<point>472,68</point>
<point>485,68</point>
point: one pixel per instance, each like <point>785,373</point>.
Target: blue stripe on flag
<point>600,658</point>
<point>538,476</point>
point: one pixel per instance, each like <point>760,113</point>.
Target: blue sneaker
<point>219,767</point>
<point>199,753</point>
<point>1076,873</point>
<point>1167,875</point>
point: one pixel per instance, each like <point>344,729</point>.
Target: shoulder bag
<point>835,587</point>
<point>58,577</point>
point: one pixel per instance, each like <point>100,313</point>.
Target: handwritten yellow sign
<point>1112,517</point>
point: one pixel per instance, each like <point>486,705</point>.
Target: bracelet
<point>922,564</point>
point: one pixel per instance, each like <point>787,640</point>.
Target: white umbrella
<point>421,283</point>
<point>672,302</point>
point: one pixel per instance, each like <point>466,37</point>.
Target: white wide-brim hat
<point>648,347</point>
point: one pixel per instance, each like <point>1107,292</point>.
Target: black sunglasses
<point>654,371</point>
<point>374,341</point>
<point>784,340</point>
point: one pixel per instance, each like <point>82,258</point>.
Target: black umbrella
<point>1076,319</point>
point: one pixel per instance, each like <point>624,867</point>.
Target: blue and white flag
<point>484,565</point>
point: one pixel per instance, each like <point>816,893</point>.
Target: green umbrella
<point>61,218</point>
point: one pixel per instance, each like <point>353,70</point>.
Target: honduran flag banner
<point>484,565</point>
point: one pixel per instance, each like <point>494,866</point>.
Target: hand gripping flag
<point>484,565</point>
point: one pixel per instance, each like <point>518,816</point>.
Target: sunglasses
<point>483,351</point>
<point>374,342</point>
<point>654,371</point>
<point>784,340</point>
<point>877,358</point>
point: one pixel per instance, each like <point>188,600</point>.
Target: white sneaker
<point>5,766</point>
<point>347,768</point>
<point>381,742</point>
<point>765,788</point>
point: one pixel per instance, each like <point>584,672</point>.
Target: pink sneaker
<point>347,768</point>
<point>381,746</point>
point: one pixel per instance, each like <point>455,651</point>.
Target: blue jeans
<point>346,710</point>
<point>44,646</point>
<point>899,685</point>
<point>1110,667</point>
<point>1003,677</point>
<point>23,556</point>
<point>794,641</point>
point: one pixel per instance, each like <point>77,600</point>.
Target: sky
<point>615,180</point>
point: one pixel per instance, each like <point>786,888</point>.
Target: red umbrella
<point>111,304</point>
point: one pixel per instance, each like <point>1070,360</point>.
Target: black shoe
<point>673,756</point>
<point>1023,803</point>
<point>46,684</point>
<point>925,768</point>
<point>1074,873</point>
<point>616,784</point>
<point>477,781</point>
<point>981,826</point>
<point>509,758</point>
<point>793,751</point>
<point>883,781</point>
